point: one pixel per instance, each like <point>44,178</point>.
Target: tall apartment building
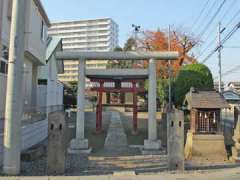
<point>85,35</point>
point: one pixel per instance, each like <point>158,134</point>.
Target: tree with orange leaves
<point>179,41</point>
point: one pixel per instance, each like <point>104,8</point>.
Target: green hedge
<point>193,75</point>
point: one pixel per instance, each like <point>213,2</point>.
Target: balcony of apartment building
<point>87,45</point>
<point>93,39</point>
<point>79,24</point>
<point>80,29</point>
<point>82,34</point>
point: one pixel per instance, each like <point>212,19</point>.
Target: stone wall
<point>205,147</point>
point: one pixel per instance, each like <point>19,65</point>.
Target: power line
<point>229,8</point>
<point>231,20</point>
<point>226,38</point>
<point>230,71</point>
<point>207,13</point>
<point>207,46</point>
<point>200,14</point>
<point>212,19</point>
<point>232,47</point>
<point>221,19</point>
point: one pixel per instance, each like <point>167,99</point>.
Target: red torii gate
<point>102,87</point>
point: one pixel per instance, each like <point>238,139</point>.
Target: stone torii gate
<point>80,143</point>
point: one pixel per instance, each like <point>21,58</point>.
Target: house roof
<point>53,43</point>
<point>208,99</point>
<point>234,83</point>
<point>52,46</point>
<point>231,95</point>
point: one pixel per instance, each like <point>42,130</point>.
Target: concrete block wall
<point>31,134</point>
<point>34,133</point>
<point>1,141</point>
<point>3,83</point>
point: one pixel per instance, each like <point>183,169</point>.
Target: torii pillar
<point>80,144</point>
<point>152,143</point>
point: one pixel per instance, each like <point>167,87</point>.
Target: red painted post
<point>97,115</point>
<point>135,123</point>
<point>100,104</point>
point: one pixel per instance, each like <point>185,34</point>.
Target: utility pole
<point>169,70</point>
<point>14,103</point>
<point>220,56</point>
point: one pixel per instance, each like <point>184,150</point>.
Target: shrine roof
<point>117,74</point>
<point>207,99</point>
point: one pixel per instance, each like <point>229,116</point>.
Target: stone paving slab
<point>116,139</point>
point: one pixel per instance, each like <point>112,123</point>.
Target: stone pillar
<point>175,129</point>
<point>152,143</point>
<point>80,144</point>
<point>57,141</point>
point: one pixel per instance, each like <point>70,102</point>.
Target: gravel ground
<point>99,162</point>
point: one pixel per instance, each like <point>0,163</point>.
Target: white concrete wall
<point>33,40</point>
<point>27,84</point>
<point>42,96</point>
<point>54,96</point>
<point>1,141</point>
<point>3,83</point>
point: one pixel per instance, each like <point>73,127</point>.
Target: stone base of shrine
<point>203,147</point>
<point>236,154</point>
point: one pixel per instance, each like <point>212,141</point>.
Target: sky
<point>192,16</point>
